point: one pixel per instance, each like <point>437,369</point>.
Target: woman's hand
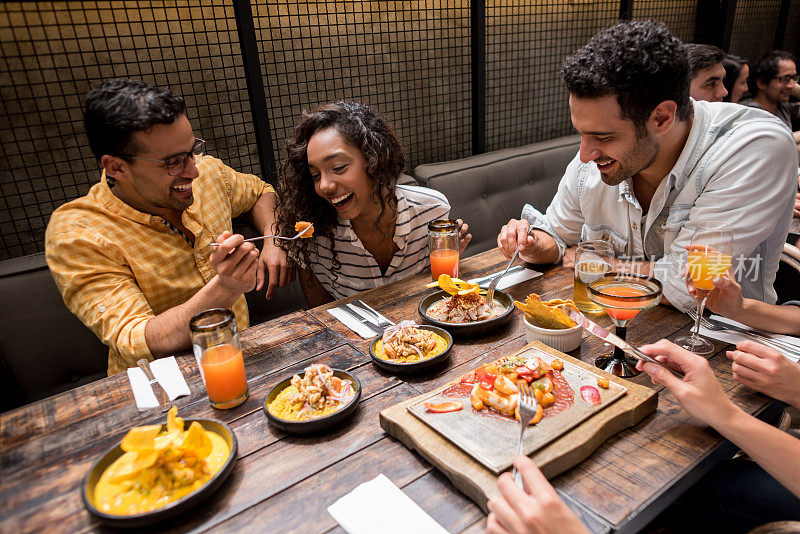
<point>766,370</point>
<point>538,509</point>
<point>726,297</point>
<point>699,393</point>
<point>463,237</point>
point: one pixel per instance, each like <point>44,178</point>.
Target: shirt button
<point>101,308</point>
<point>635,226</point>
<point>605,237</point>
<point>199,255</point>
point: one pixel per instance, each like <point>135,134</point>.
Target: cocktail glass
<point>710,256</point>
<point>623,295</point>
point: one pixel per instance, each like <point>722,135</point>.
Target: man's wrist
<point>221,294</point>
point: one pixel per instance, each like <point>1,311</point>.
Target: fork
<point>495,280</point>
<point>259,238</point>
<point>718,326</point>
<point>527,409</point>
<point>381,321</point>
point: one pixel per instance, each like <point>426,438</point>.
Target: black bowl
<point>468,329</point>
<point>172,509</point>
<point>320,423</point>
<point>413,367</point>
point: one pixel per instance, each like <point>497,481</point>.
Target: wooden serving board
<point>478,482</point>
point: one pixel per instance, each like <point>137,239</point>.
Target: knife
<point>490,277</point>
<point>605,335</point>
<point>372,326</point>
<point>158,390</point>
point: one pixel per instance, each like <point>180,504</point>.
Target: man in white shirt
<point>653,162</point>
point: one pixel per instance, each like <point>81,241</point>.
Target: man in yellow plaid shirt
<point>132,257</point>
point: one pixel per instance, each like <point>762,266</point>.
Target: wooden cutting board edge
<point>479,483</point>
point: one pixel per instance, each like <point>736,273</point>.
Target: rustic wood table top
<point>285,483</point>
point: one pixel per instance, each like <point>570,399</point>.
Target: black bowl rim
<point>413,366</point>
<point>481,326</point>
<point>318,423</point>
<point>167,511</point>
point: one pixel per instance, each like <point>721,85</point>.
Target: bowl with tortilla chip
<point>547,322</point>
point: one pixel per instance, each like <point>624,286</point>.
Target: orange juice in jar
<point>215,343</point>
<point>443,247</point>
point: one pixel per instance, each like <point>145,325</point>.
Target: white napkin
<point>167,373</point>
<point>380,506</point>
<point>356,326</point>
<point>735,337</point>
<point>512,279</point>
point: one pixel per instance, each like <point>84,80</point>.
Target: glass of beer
<point>593,259</point>
<point>443,247</point>
<point>215,343</point>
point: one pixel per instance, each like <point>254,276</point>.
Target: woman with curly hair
<point>341,171</point>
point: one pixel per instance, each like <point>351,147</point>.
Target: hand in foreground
<point>569,257</point>
<point>463,237</point>
<point>766,370</point>
<point>538,509</point>
<point>236,263</point>
<point>274,268</point>
<point>516,233</point>
<point>699,393</point>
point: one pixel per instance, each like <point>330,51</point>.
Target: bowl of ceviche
<point>316,399</point>
<point>410,348</point>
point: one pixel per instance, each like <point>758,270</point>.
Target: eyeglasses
<point>785,79</point>
<point>175,165</point>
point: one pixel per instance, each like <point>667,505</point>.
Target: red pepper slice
<point>468,378</point>
<point>443,407</point>
<point>590,395</point>
<point>485,377</point>
<point>527,374</point>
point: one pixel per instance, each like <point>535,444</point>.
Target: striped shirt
<point>117,267</point>
<point>416,207</point>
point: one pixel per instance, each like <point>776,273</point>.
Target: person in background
<point>707,72</point>
<point>341,174</point>
<point>132,258</point>
<point>653,162</point>
<point>736,497</point>
<point>735,81</point>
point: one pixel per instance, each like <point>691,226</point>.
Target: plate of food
<point>157,472</point>
<point>410,348</point>
<point>478,412</point>
<point>461,307</point>
<point>315,400</point>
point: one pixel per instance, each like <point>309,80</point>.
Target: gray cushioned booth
<point>489,189</point>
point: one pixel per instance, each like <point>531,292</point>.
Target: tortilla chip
<point>196,440</point>
<point>140,438</point>
<point>546,314</point>
<point>131,463</point>
<point>174,423</point>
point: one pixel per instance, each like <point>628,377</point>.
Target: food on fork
<point>465,305</point>
<point>547,314</point>
<point>159,466</point>
<point>407,343</point>
<point>302,225</point>
<point>316,394</point>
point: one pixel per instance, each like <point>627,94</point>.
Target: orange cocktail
<point>705,265</point>
<point>444,261</point>
<point>223,369</point>
<point>616,307</point>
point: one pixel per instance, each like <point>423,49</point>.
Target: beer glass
<point>593,259</point>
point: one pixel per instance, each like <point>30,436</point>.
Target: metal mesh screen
<point>791,39</point>
<point>409,61</point>
<point>754,28</point>
<point>52,54</point>
<point>525,99</point>
<point>678,15</point>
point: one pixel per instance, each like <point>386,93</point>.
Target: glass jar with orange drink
<point>443,247</point>
<point>215,343</point>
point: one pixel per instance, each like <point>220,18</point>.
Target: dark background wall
<point>449,91</point>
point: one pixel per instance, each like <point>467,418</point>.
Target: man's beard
<point>637,158</point>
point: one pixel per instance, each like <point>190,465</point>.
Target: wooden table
<point>285,483</point>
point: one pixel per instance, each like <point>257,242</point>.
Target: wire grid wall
<point>791,39</point>
<point>525,99</point>
<point>754,26</point>
<point>678,15</point>
<point>52,54</point>
<point>409,61</point>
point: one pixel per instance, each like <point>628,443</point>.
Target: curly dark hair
<point>118,108</point>
<point>638,61</point>
<point>733,68</point>
<point>297,200</point>
<point>766,68</point>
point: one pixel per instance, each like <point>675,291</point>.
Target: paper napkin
<point>167,373</point>
<point>350,322</point>
<point>512,279</point>
<point>380,506</point>
<point>735,337</point>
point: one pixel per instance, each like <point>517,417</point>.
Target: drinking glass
<point>710,256</point>
<point>593,259</point>
<point>215,343</point>
<point>443,247</point>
